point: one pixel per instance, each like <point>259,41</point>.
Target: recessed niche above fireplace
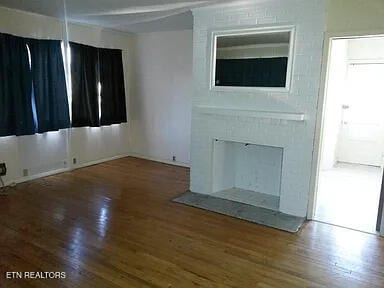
<point>256,58</point>
<point>247,173</point>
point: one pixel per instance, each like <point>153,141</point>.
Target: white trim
<point>40,175</point>
<point>348,35</point>
<point>91,163</point>
<point>365,61</point>
<point>216,110</point>
<point>174,163</point>
<point>62,170</point>
<point>317,142</point>
<point>250,31</point>
<point>95,162</point>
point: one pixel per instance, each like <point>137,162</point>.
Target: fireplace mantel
<point>217,110</point>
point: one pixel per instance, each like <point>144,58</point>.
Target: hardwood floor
<point>114,225</point>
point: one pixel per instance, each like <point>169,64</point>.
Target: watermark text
<point>35,275</point>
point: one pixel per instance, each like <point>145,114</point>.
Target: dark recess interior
<point>255,72</point>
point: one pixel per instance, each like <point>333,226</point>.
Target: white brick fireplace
<point>258,140</point>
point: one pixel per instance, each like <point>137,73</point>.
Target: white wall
<point>366,49</point>
<point>160,107</point>
<point>24,152</point>
<point>158,97</point>
<point>249,167</point>
<point>258,168</point>
<point>92,144</point>
<point>224,167</point>
<point>49,151</point>
<point>336,89</point>
<point>9,154</point>
<point>295,137</point>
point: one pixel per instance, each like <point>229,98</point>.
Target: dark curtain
<point>113,109</point>
<point>84,70</point>
<point>16,112</point>
<point>256,72</point>
<point>49,85</point>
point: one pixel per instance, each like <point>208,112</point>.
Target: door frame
<point>380,217</point>
<point>318,139</point>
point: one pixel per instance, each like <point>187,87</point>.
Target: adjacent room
<point>215,143</point>
<point>353,144</point>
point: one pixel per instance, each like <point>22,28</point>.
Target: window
<point>33,96</point>
<point>98,92</point>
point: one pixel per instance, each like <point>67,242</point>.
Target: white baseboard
<point>174,163</point>
<point>62,170</point>
<point>91,163</point>
<point>37,176</point>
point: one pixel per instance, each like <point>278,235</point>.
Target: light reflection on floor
<point>348,195</point>
<point>103,220</point>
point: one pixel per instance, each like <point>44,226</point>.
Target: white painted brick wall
<point>296,138</point>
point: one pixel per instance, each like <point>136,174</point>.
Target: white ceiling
<point>124,15</point>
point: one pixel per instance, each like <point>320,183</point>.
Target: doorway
<point>352,149</point>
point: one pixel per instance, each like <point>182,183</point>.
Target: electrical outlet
<point>74,161</point>
<point>25,172</point>
<point>3,169</point>
<point>174,158</point>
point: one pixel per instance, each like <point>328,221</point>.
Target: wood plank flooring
<point>114,225</point>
